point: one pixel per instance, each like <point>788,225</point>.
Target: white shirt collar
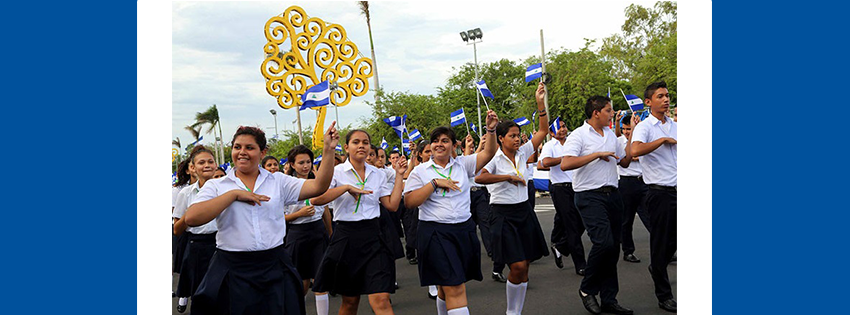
<point>430,162</point>
<point>654,121</point>
<point>260,178</point>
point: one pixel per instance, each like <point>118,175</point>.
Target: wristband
<point>434,184</point>
<point>542,114</point>
<point>490,130</point>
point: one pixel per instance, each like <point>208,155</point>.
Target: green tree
<point>364,9</point>
<point>211,117</point>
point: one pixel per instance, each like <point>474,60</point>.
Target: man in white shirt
<point>568,227</point>
<point>633,190</point>
<point>654,140</point>
<point>593,152</point>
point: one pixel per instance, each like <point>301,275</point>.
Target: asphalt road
<point>550,290</point>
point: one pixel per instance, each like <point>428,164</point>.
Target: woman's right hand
<point>249,197</point>
<point>356,192</point>
<point>306,211</point>
<point>447,184</point>
<point>516,180</point>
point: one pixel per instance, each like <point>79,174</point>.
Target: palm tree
<point>196,133</point>
<point>176,142</point>
<point>364,9</point>
<point>210,117</point>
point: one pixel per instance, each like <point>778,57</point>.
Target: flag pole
<point>467,128</point>
<point>627,101</point>
<point>543,71</point>
<point>482,97</point>
<point>298,116</point>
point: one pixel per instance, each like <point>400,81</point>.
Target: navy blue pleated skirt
<point>306,244</point>
<point>196,261</point>
<point>393,238</point>
<point>516,233</point>
<point>260,282</point>
<point>358,261</point>
<point>449,254</point>
<point>178,249</point>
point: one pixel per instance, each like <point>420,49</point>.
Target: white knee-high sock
<point>432,290</point>
<point>441,307</point>
<point>523,287</point>
<point>459,311</point>
<point>513,291</point>
<point>322,304</point>
<point>183,301</point>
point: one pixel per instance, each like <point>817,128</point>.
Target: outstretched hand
<point>250,197</point>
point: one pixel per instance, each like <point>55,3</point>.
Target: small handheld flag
<point>338,148</point>
<point>317,160</point>
<point>395,148</point>
<point>318,95</point>
<point>458,117</point>
<point>534,71</point>
<point>414,135</point>
<point>397,123</point>
<point>484,90</point>
<point>405,145</point>
<point>634,102</point>
<point>475,128</point>
<point>283,161</point>
<point>522,121</point>
<point>384,143</point>
<point>556,124</point>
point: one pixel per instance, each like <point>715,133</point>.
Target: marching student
<point>251,272</point>
<point>201,239</point>
<point>593,152</point>
<point>633,190</point>
<point>530,164</point>
<point>271,164</point>
<point>654,140</point>
<point>410,217</point>
<point>387,223</point>
<point>479,203</point>
<point>185,177</point>
<point>219,173</point>
<point>308,227</point>
<point>517,237</point>
<point>568,226</point>
<point>358,260</point>
<point>448,246</point>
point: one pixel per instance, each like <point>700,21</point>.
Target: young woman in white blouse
<point>358,260</point>
<point>308,227</point>
<point>250,272</point>
<point>448,247</point>
<point>201,239</point>
<point>517,237</point>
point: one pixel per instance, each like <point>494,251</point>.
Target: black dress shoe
<point>668,305</point>
<point>181,308</point>
<point>616,309</point>
<point>672,260</point>
<point>580,272</point>
<point>558,259</point>
<point>413,261</point>
<point>589,302</point>
<point>395,285</point>
<point>498,277</point>
<point>631,258</point>
<point>173,294</point>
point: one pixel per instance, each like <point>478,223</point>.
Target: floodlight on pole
<point>274,113</point>
<point>474,36</point>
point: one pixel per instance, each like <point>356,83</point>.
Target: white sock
<point>459,311</point>
<point>513,290</point>
<point>183,301</point>
<point>322,304</point>
<point>523,287</point>
<point>441,307</point>
<point>557,253</point>
<point>432,290</point>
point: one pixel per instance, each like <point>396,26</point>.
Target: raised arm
<point>318,185</point>
<point>490,145</point>
<point>543,128</point>
<point>392,201</point>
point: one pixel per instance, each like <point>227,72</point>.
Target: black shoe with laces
<point>558,259</point>
<point>498,277</point>
<point>181,308</point>
<point>589,302</point>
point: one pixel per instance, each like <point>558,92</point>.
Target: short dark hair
<point>375,148</point>
<point>267,158</point>
<point>257,133</point>
<point>650,90</point>
<point>502,129</point>
<point>595,103</point>
<point>627,120</point>
<point>197,150</point>
<point>391,153</point>
<point>294,152</point>
<point>443,130</point>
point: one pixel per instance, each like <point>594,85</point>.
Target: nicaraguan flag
<point>458,117</point>
<point>384,143</point>
<point>395,148</point>
<point>534,71</point>
<point>283,161</point>
<point>318,95</point>
<point>193,143</point>
<point>173,178</point>
<point>484,90</point>
<point>405,145</point>
<point>634,102</point>
<point>397,123</point>
<point>522,121</point>
<point>555,125</point>
<point>338,148</point>
<point>474,128</point>
<point>317,160</point>
<point>414,135</point>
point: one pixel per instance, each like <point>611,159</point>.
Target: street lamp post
<point>274,113</point>
<point>474,35</point>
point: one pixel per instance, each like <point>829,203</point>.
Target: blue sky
<point>217,48</point>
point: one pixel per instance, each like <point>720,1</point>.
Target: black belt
<point>603,189</point>
<point>564,184</point>
<point>664,188</point>
<point>626,176</point>
<point>476,188</point>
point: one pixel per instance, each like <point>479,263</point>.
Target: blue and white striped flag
<point>193,143</point>
<point>533,72</point>
<point>634,102</point>
<point>317,160</point>
<point>414,135</point>
<point>484,90</point>
<point>338,148</point>
<point>458,117</point>
<point>318,95</point>
<point>555,125</point>
<point>395,148</point>
<point>474,128</point>
<point>405,145</point>
<point>283,161</point>
<point>397,123</point>
<point>384,143</point>
<point>174,178</point>
<point>522,121</point>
